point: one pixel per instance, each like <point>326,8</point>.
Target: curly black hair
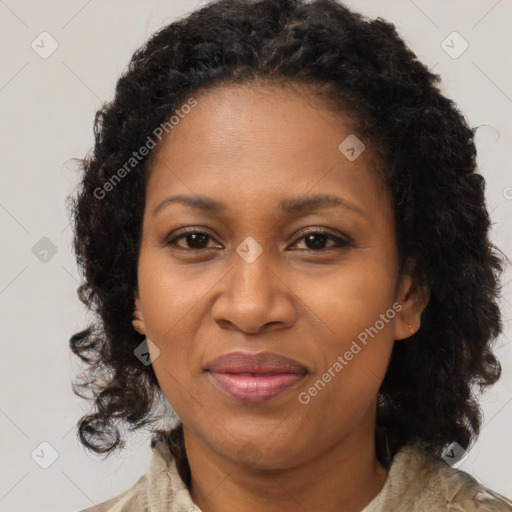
<point>427,159</point>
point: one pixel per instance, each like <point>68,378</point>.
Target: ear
<point>413,300</point>
<point>138,318</point>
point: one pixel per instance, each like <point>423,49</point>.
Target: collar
<point>417,481</point>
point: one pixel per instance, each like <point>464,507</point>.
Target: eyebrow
<point>286,206</point>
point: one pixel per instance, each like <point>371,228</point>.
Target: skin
<point>251,147</point>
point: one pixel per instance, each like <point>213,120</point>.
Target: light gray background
<point>48,107</point>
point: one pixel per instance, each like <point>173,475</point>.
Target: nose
<point>254,297</point>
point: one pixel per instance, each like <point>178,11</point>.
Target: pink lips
<point>255,377</point>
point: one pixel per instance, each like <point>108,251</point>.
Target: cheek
<point>350,297</point>
<point>355,352</point>
<point>169,292</point>
<point>168,307</point>
<point>355,311</point>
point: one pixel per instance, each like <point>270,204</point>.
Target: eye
<point>316,240</point>
<point>193,240</point>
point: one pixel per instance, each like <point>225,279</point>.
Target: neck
<point>343,479</point>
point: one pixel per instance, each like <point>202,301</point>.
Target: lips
<point>255,377</point>
<point>263,362</point>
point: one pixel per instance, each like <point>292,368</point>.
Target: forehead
<point>235,117</point>
<point>249,144</point>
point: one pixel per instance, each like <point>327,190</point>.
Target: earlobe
<point>413,300</point>
<point>137,317</point>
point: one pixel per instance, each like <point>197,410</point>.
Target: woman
<point>285,238</point>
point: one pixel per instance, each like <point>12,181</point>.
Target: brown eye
<point>193,240</point>
<point>316,241</point>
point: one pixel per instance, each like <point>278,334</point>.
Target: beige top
<point>416,482</point>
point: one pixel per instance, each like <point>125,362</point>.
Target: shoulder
<point>420,481</point>
<point>135,499</point>
<point>161,488</point>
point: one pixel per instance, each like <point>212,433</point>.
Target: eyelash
<point>341,243</point>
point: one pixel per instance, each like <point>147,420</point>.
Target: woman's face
<point>254,278</point>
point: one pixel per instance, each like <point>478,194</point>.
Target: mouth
<point>255,387</point>
<point>255,377</point>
